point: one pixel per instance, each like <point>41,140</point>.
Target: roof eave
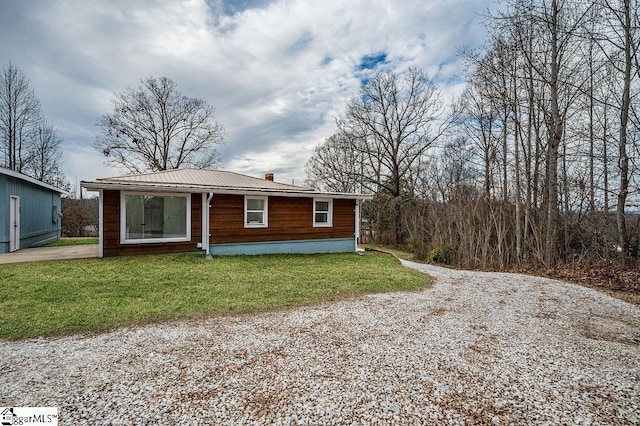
<point>17,175</point>
<point>97,186</point>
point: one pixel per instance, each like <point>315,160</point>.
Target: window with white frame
<point>256,211</point>
<point>152,218</point>
<point>322,212</point>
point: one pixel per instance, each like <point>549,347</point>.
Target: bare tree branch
<point>154,127</point>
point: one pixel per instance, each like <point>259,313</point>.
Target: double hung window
<point>322,212</point>
<point>256,212</point>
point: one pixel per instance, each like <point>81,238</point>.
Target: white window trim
<point>123,219</point>
<point>265,212</point>
<point>329,222</point>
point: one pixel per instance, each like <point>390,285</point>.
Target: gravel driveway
<point>484,348</point>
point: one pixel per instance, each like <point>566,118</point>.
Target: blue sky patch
<point>233,7</point>
<point>326,61</point>
<point>369,62</point>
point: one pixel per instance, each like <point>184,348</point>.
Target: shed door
<point>14,224</point>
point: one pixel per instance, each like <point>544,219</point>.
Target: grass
<point>398,253</point>
<point>72,241</point>
<point>87,295</point>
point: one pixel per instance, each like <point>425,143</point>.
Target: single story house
<point>221,213</point>
<point>29,211</point>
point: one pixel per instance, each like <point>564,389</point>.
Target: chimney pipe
<point>268,176</point>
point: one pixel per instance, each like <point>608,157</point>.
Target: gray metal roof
<point>203,181</point>
<point>204,178</point>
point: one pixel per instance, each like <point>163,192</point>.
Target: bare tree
<point>334,166</point>
<point>19,117</point>
<point>545,35</point>
<point>480,122</point>
<point>80,216</point>
<point>29,144</point>
<point>392,124</point>
<point>45,157</point>
<point>619,41</point>
<point>154,127</point>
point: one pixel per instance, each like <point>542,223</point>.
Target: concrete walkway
<point>50,253</point>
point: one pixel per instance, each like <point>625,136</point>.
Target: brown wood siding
<point>289,219</point>
<point>111,231</point>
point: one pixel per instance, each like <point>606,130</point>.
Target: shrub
<point>419,249</point>
<point>441,254</point>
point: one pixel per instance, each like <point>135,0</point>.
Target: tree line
<point>537,162</point>
<point>29,144</point>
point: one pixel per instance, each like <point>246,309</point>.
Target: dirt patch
<point>607,276</point>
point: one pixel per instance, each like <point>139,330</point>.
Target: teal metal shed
<point>29,211</point>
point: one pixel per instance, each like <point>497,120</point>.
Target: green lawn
<point>72,241</point>
<point>48,298</point>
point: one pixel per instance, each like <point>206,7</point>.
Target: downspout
<point>357,227</point>
<point>207,234</point>
<point>100,223</point>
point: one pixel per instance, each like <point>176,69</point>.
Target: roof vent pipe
<point>268,176</point>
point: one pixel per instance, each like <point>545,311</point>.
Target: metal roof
<point>201,180</point>
<point>204,178</point>
<point>17,175</point>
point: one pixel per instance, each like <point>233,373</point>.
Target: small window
<point>255,212</point>
<point>55,215</point>
<point>322,212</point>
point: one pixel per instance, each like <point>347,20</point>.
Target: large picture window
<point>322,212</point>
<point>256,212</point>
<point>155,217</point>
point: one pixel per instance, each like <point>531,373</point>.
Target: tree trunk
<point>518,194</point>
<point>554,143</point>
<point>623,159</point>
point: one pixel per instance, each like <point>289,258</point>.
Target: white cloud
<point>86,163</point>
<point>277,72</point>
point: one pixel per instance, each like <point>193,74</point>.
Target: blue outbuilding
<point>29,211</point>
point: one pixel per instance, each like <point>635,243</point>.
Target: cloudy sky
<point>278,72</point>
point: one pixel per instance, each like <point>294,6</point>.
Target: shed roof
<point>17,175</point>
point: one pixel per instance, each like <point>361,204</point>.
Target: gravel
<point>474,348</point>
